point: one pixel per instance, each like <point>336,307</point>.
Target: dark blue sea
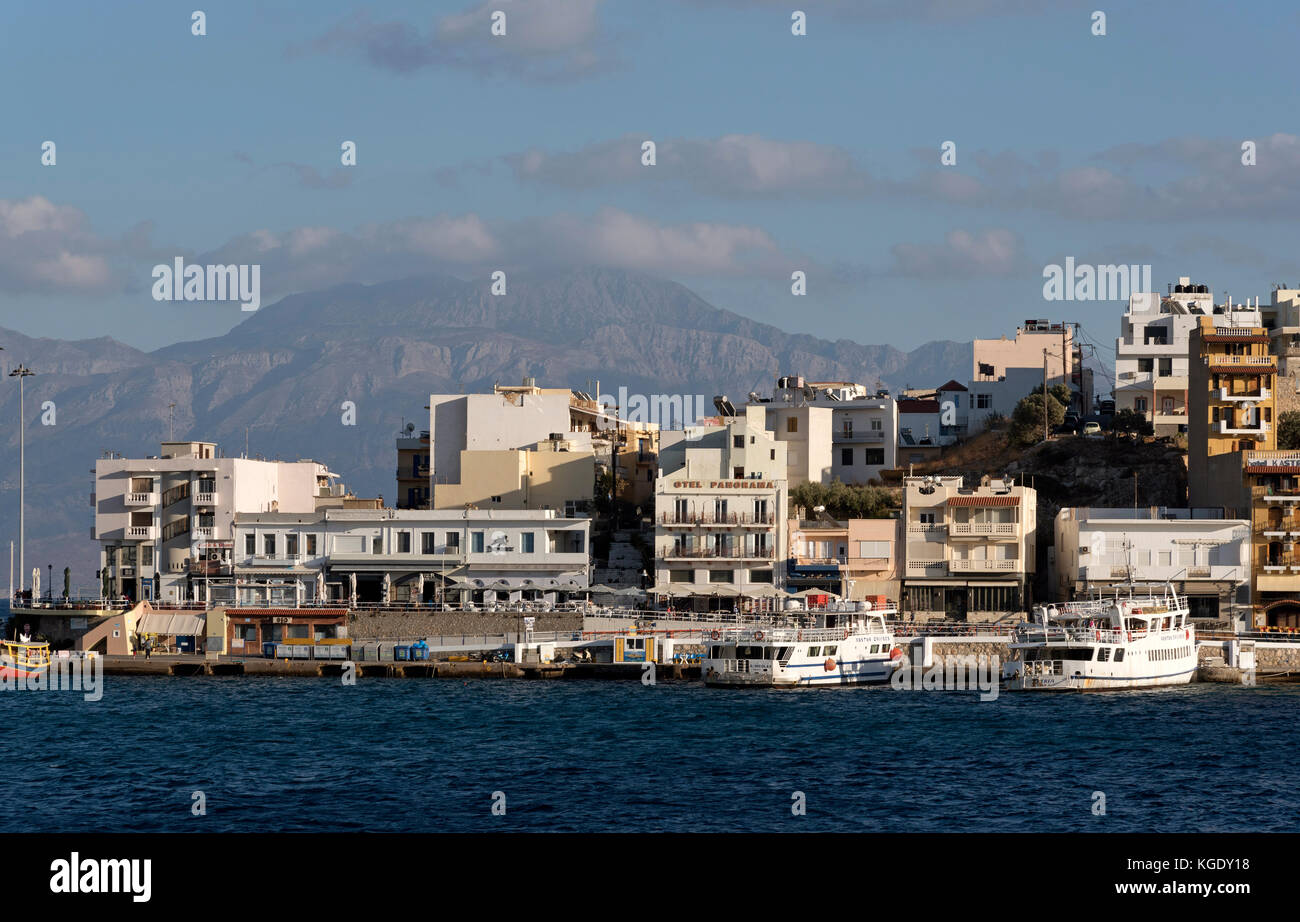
<point>429,755</point>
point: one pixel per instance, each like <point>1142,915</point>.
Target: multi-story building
<point>524,447</point>
<point>854,559</point>
<point>413,484</point>
<point>832,430</point>
<point>919,429</point>
<point>1003,371</point>
<point>1199,552</point>
<point>1264,487</point>
<point>720,510</point>
<point>407,556</point>
<point>1281,317</point>
<point>1152,351</point>
<point>1229,400</point>
<point>157,517</point>
<point>971,551</point>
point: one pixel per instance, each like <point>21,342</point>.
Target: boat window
<point>1119,654</point>
<point>1103,655</point>
<point>782,653</point>
<point>814,651</point>
<point>830,651</point>
<point>1077,654</point>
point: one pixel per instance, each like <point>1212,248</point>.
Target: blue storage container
<point>420,651</point>
<point>401,652</point>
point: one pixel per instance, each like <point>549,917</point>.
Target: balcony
<point>927,530</point>
<point>709,553</point>
<point>734,518</point>
<point>142,532</point>
<point>863,435</point>
<point>1242,364</point>
<point>205,533</point>
<point>984,529</point>
<point>1262,393</point>
<point>205,498</point>
<point>1227,427</point>
<point>976,565</point>
<point>925,568</point>
<point>140,499</point>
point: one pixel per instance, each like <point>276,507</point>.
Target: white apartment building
<point>1199,552</point>
<point>970,551</point>
<point>155,516</point>
<point>1151,353</point>
<point>409,556</point>
<point>1003,371</point>
<point>832,430</point>
<point>720,510</point>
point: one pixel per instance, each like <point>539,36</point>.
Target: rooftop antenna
<point>171,413</point>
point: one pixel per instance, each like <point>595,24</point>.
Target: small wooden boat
<point>22,660</point>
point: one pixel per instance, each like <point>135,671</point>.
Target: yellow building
<point>1229,401</point>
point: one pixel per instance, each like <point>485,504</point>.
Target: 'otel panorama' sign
<point>725,484</point>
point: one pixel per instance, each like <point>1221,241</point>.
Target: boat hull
<point>871,673</point>
<point>1097,682</point>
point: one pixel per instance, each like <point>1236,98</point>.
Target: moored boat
<point>1104,644</point>
<point>20,660</point>
<point>830,648</point>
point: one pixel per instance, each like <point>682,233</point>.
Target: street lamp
<point>21,372</point>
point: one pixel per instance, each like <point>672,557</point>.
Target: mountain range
<point>278,381</point>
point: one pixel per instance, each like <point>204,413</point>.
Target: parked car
<point>1092,430</point>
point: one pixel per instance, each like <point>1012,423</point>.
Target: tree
<point>1127,420</point>
<point>845,501</point>
<point>1027,418</point>
<point>1288,430</point>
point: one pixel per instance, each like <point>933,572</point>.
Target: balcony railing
<point>141,532</point>
<point>141,499</point>
<point>984,529</point>
<point>862,435</point>
<point>1227,427</point>
<point>709,553</point>
<point>1262,393</point>
<point>205,498</point>
<point>976,565</point>
<point>699,518</point>
<point>205,532</point>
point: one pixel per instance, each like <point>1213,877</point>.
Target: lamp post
<point>21,372</point>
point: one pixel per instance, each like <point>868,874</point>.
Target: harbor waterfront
<point>389,755</point>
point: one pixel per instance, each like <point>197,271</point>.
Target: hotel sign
<point>725,484</point>
<point>1293,462</point>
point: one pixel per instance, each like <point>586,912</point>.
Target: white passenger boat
<point>831,648</point>
<point>1103,644</point>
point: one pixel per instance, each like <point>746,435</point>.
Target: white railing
<point>146,532</point>
<point>968,565</point>
<point>205,499</point>
<point>141,499</point>
<point>983,528</point>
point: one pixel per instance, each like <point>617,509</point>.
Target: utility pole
<point>1044,395</point>
<point>21,372</point>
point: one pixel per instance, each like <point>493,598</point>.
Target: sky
<point>775,153</point>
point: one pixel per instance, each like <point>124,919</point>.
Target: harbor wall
<point>396,625</point>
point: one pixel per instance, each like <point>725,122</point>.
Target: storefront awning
<point>173,625</point>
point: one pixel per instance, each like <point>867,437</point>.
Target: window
<point>680,576</point>
<point>814,651</point>
<point>772,455</point>
<point>925,518</point>
<point>453,542</point>
<point>873,549</point>
<point>1119,654</point>
<point>984,401</point>
<point>792,424</point>
<point>496,499</point>
<point>268,545</point>
<point>476,542</point>
<point>719,576</point>
<point>846,457</point>
<point>428,542</point>
<point>737,441</point>
<point>403,542</point>
<point>874,456</point>
<point>291,545</point>
<point>1139,404</point>
<point>250,544</point>
<point>846,428</point>
<point>311,545</point>
<point>876,425</point>
<point>376,545</point>
<point>1146,366</point>
<point>146,555</point>
<point>527,542</point>
<point>738,473</point>
<point>1166,367</point>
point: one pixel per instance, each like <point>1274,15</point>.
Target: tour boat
<point>1104,644</point>
<point>835,648</point>
<point>21,660</point>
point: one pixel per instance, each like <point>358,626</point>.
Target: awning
<point>983,500</point>
<point>174,625</point>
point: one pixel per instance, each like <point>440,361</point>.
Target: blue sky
<point>776,153</point>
